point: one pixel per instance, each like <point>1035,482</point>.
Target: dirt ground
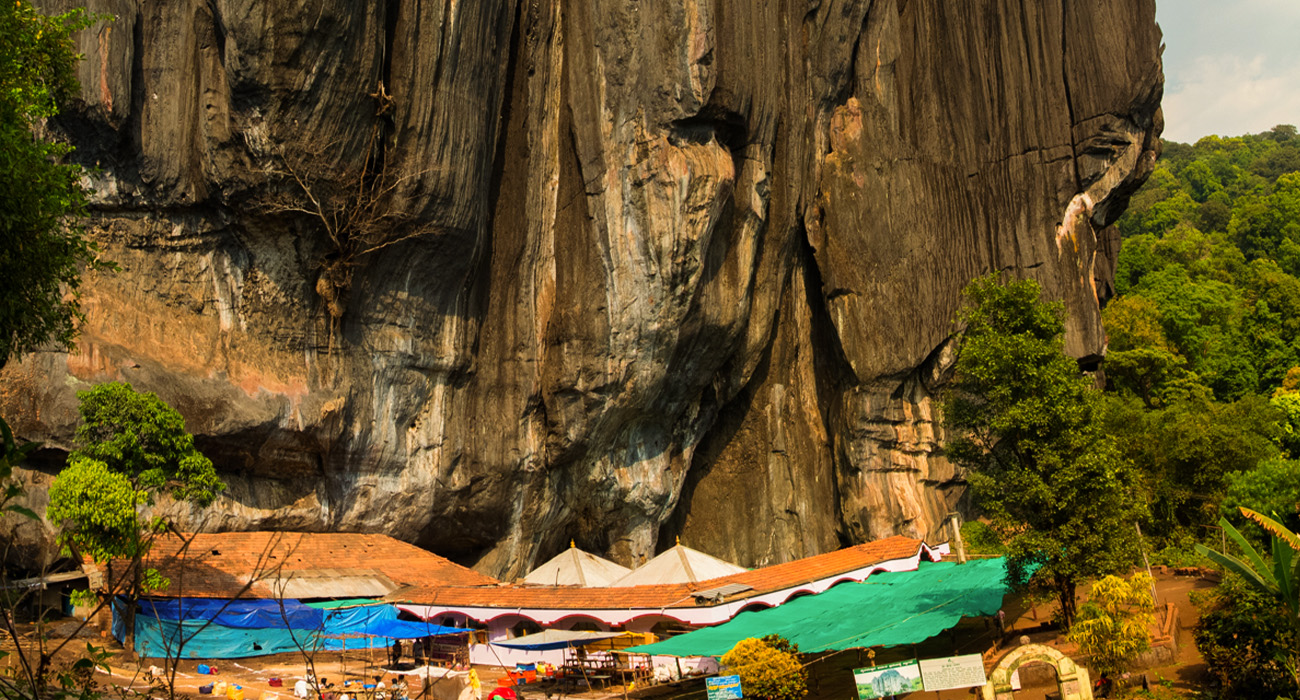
<point>830,676</point>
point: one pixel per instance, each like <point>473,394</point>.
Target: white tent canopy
<point>680,564</point>
<point>547,640</point>
<point>574,567</point>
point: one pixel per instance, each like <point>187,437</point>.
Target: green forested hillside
<point>1203,371</point>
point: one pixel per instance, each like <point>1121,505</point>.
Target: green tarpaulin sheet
<point>888,609</point>
<point>348,603</point>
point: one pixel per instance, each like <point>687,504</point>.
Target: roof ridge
<point>577,564</point>
<point>686,563</point>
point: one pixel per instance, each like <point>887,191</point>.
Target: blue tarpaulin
<point>201,640</point>
<point>205,634</point>
<point>240,614</point>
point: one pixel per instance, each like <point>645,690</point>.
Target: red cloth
<point>503,692</point>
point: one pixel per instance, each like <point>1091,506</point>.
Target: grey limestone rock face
<point>655,269</point>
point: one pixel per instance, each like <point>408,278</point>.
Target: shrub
<point>1114,626</point>
<point>766,672</point>
<point>1246,640</point>
<point>980,538</point>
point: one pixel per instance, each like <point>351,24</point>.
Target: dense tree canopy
<point>1203,363</point>
<point>42,247</point>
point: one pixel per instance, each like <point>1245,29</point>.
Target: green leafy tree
<point>1024,422</point>
<point>981,539</point>
<point>42,246</point>
<point>133,447</point>
<point>767,670</point>
<point>1187,449</point>
<point>1139,359</point>
<point>1287,404</point>
<point>1114,626</point>
<point>137,434</point>
<point>1271,487</point>
<point>99,508</point>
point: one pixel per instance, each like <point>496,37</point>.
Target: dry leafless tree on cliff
<point>357,204</point>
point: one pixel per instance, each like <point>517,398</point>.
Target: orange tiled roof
<point>221,565</point>
<point>676,595</point>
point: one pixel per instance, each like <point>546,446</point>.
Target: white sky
<point>1232,67</point>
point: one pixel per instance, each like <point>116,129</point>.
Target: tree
<point>139,435</point>
<point>133,447</point>
<point>767,672</point>
<point>1187,449</point>
<point>42,246</point>
<point>1025,422</point>
<point>1273,486</point>
<point>359,208</point>
<point>1114,626</point>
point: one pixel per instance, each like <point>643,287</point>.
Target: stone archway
<point>1072,678</point>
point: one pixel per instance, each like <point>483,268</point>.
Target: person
<point>399,688</point>
<point>417,650</point>
<point>380,688</point>
<point>300,689</point>
<point>395,654</point>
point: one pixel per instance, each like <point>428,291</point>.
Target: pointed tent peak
<point>574,567</point>
<point>679,564</point>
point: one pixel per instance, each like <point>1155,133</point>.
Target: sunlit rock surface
<point>681,267</point>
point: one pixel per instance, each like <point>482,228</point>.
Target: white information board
<point>953,672</point>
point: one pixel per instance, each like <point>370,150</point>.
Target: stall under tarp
<point>548,640</point>
<point>888,609</point>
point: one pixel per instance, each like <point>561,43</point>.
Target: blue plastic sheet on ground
<point>240,614</point>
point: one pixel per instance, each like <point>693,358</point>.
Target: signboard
<point>953,672</point>
<point>890,679</point>
<point>723,688</point>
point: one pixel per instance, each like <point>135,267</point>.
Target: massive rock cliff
<point>493,275</point>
